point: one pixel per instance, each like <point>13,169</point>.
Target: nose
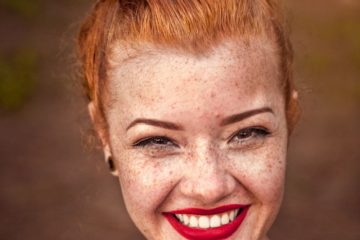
<point>207,179</point>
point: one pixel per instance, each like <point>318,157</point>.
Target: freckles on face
<point>144,185</point>
<point>193,131</point>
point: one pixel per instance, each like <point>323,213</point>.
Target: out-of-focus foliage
<point>22,7</point>
<point>18,75</point>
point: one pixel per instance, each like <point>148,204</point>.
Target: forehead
<point>154,77</point>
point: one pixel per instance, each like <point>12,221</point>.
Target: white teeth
<point>186,220</point>
<point>225,219</point>
<point>204,222</point>
<point>215,221</point>
<point>181,217</point>
<point>232,216</point>
<point>193,221</point>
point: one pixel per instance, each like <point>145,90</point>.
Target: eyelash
<point>251,132</point>
<point>155,141</point>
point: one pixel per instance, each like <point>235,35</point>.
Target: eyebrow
<point>172,126</point>
<point>156,123</point>
<point>241,116</point>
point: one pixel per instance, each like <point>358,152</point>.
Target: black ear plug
<point>111,164</point>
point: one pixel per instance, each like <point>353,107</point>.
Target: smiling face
<point>199,141</point>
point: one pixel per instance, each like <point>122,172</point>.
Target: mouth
<point>207,224</point>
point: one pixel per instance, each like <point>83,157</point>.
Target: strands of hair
<point>194,25</point>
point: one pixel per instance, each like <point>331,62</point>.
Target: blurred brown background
<point>52,187</point>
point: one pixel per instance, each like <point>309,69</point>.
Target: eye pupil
<point>160,140</point>
<point>245,133</point>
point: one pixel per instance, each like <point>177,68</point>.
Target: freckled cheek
<point>146,183</point>
<point>273,176</point>
<point>272,185</point>
<point>262,174</point>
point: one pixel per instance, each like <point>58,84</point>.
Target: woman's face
<point>199,141</point>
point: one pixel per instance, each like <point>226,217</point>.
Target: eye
<point>251,132</point>
<point>249,136</point>
<point>157,142</point>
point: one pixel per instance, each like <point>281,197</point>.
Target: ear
<point>102,135</point>
<point>293,111</point>
<point>295,95</point>
<point>94,115</point>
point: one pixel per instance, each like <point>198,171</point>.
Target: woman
<point>193,102</point>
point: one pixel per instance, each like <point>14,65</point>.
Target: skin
<point>205,163</point>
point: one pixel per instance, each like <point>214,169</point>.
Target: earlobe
<point>110,162</point>
<point>100,132</point>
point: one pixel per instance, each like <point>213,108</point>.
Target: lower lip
<point>217,233</point>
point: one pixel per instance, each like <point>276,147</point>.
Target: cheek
<point>145,183</point>
<point>272,172</point>
<point>262,172</point>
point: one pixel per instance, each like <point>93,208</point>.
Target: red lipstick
<point>215,233</point>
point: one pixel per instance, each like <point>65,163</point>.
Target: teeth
<point>215,221</point>
<point>181,218</point>
<point>225,219</point>
<point>206,222</point>
<point>186,220</point>
<point>232,216</point>
<point>193,221</point>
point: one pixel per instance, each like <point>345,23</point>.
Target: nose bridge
<point>207,179</point>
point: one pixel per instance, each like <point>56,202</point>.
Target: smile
<point>211,224</point>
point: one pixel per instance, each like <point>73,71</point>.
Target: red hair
<point>193,25</point>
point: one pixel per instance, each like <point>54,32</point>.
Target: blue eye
<point>155,142</point>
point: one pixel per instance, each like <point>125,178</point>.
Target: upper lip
<point>200,211</point>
